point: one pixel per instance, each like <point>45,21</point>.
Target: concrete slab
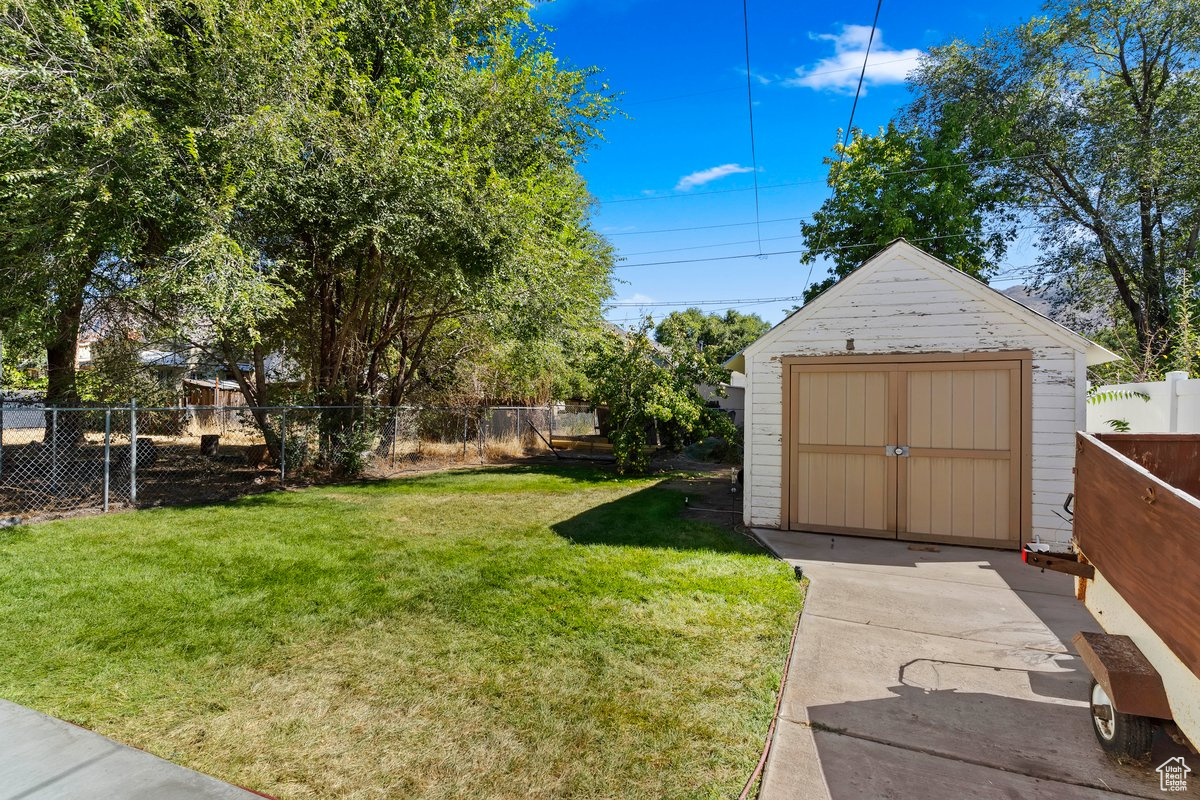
<point>42,758</point>
<point>972,565</point>
<point>937,674</point>
<point>859,769</point>
<point>947,608</point>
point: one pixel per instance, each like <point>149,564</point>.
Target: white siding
<point>899,305</point>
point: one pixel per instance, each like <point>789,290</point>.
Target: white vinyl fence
<point>1173,407</point>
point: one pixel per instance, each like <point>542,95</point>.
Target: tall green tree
<point>905,182</point>
<point>75,153</point>
<point>1087,115</point>
<point>717,337</point>
<point>356,183</point>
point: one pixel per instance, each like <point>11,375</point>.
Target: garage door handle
<point>895,450</point>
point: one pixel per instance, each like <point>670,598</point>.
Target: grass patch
<point>528,632</point>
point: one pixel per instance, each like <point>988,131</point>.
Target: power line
<point>781,252</point>
<point>1015,271</point>
<point>755,301</point>
<point>731,301</point>
<point>713,258</point>
<point>846,135</point>
<point>913,170</point>
<point>861,75</point>
<point>715,244</point>
<point>750,112</point>
<point>725,89</point>
<point>789,184</point>
<point>677,195</point>
<point>706,227</point>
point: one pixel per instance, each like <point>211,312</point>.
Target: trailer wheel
<point>1121,735</point>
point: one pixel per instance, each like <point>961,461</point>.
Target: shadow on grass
<point>651,517</point>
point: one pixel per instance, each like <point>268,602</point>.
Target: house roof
<point>1095,353</point>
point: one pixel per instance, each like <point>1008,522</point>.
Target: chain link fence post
<point>107,453</point>
<point>133,452</point>
<point>54,449</point>
<point>283,447</point>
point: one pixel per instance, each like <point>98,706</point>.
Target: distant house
<point>729,396</point>
<point>188,371</point>
<point>212,392</point>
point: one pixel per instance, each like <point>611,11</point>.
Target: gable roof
<point>976,288</point>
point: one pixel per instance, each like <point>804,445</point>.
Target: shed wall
<point>904,307</point>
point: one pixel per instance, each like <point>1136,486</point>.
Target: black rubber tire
<point>1131,736</point>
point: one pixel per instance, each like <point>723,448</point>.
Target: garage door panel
<point>877,505</point>
<point>959,497</point>
<point>962,496</point>
<point>841,408</point>
<point>836,419</point>
<point>964,416</point>
<point>844,491</point>
<point>960,478</point>
<point>920,479</point>
<point>941,408</point>
<point>987,407</point>
<point>962,470</point>
<point>920,409</point>
<point>840,472</point>
<point>818,486</point>
<point>856,407</point>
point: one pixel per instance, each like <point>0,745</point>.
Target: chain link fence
<point>61,460</point>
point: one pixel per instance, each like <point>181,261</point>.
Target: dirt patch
<point>710,490</point>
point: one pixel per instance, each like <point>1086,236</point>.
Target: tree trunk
<point>62,346</point>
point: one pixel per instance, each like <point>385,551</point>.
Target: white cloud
<point>839,72</point>
<point>709,175</point>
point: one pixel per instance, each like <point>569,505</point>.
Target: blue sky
<point>682,158</point>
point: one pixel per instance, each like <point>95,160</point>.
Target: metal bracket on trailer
<point>1058,562</point>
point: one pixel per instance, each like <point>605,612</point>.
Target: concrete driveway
<point>42,758</point>
<point>939,674</point>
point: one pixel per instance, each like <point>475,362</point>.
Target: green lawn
<point>528,632</point>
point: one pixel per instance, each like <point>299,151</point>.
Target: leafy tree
<point>371,184</point>
<point>718,337</point>
<point>1085,115</point>
<point>74,153</point>
<point>907,183</point>
<point>648,388</point>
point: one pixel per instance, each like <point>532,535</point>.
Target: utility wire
<point>849,127</point>
<point>706,227</point>
<point>741,300</point>
<point>725,89</point>
<point>746,302</point>
<point>750,113</point>
<point>714,244</point>
<point>813,181</point>
<point>783,252</point>
<point>700,260</point>
<point>861,75</point>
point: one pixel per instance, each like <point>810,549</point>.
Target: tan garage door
<point>924,451</point>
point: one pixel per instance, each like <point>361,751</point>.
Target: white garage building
<point>911,401</point>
